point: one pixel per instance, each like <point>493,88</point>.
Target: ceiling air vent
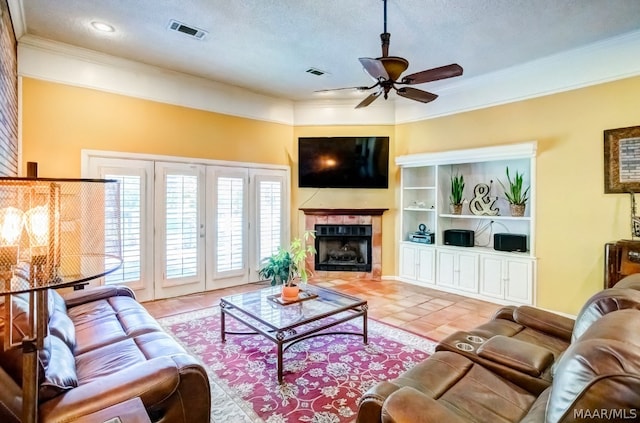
<point>191,31</point>
<point>316,72</point>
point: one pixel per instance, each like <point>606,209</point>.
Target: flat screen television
<point>343,162</point>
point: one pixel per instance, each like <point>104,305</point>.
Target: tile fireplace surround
<point>371,217</point>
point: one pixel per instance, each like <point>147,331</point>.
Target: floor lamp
<point>54,233</point>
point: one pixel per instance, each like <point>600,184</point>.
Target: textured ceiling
<point>266,45</point>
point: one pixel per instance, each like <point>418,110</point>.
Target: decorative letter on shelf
<point>482,204</point>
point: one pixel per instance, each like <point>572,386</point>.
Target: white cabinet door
<point>426,264</point>
<point>491,276</point>
<point>467,267</point>
<point>519,280</point>
<point>417,263</point>
<point>506,278</point>
<point>446,268</point>
<point>408,261</point>
<point>458,269</point>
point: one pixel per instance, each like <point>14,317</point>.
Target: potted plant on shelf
<point>287,266</point>
<point>516,194</point>
<point>457,189</point>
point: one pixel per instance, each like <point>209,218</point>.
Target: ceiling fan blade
<point>374,68</point>
<point>370,98</point>
<point>416,94</point>
<point>434,74</point>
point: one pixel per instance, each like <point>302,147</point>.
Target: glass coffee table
<point>286,323</point>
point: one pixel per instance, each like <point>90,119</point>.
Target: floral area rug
<point>324,376</point>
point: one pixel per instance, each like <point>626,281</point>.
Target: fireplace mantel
<point>339,212</point>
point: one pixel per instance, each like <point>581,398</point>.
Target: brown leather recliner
<point>596,379</point>
<point>103,348</point>
<point>522,343</point>
<point>519,344</point>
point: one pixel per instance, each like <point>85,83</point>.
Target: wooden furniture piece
<point>480,271</point>
<point>622,258</point>
<point>131,411</point>
<point>287,324</point>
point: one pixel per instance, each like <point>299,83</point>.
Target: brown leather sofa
<point>103,348</point>
<point>525,365</point>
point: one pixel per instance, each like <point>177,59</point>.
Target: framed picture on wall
<point>622,160</point>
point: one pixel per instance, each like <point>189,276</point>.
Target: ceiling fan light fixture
<point>394,66</point>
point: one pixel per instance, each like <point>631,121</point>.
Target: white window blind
<point>181,246</point>
<point>230,224</point>
<point>130,231</point>
<point>270,215</point>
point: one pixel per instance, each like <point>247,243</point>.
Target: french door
<point>179,229</point>
<point>136,229</point>
<point>247,216</point>
<point>188,228</point>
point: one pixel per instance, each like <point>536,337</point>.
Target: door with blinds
<point>227,226</point>
<point>246,218</point>
<point>136,222</point>
<point>188,228</point>
<point>269,216</point>
<point>180,232</point>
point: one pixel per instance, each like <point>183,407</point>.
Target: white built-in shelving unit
<point>479,271</point>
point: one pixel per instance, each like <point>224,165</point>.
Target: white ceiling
<point>267,45</point>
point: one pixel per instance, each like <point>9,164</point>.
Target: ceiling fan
<point>387,69</point>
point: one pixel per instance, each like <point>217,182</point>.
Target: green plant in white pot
<point>516,193</point>
<point>457,191</point>
<point>289,264</point>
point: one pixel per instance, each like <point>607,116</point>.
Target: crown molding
<point>16,11</point>
<point>604,61</point>
<point>62,63</point>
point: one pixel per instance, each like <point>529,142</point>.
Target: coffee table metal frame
<point>304,327</point>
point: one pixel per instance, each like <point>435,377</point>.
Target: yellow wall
<point>574,218</point>
<point>60,120</point>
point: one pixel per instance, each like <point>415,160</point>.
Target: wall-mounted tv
<point>343,162</point>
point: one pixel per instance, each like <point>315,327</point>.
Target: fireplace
<point>346,243</point>
<point>344,248</point>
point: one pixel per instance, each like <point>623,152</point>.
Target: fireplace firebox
<point>343,248</point>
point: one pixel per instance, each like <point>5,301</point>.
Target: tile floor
<point>428,312</point>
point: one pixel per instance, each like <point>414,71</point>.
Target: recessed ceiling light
<point>101,26</point>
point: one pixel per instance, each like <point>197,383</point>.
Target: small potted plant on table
<point>288,265</point>
<point>457,190</point>
<point>516,194</point>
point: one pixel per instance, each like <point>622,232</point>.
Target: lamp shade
<point>10,226</point>
<point>57,232</point>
